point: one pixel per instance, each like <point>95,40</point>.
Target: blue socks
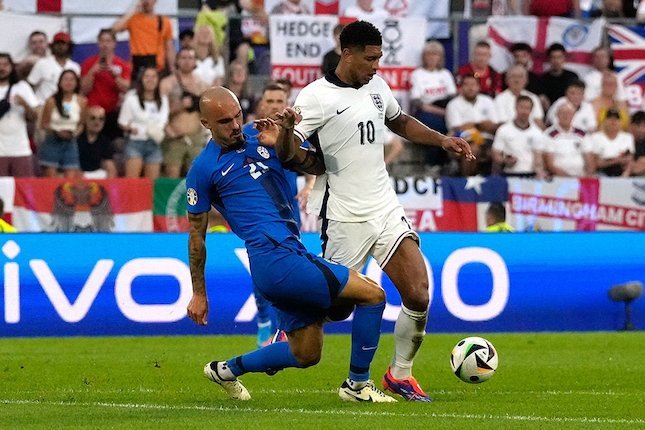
<point>276,356</point>
<point>366,331</point>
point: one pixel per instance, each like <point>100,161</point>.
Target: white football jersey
<point>348,124</point>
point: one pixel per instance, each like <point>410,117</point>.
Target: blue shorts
<point>59,153</point>
<point>147,150</point>
<point>300,285</point>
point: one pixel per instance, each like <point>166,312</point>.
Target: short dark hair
<point>578,83</point>
<point>360,34</point>
<point>523,98</point>
<point>482,44</point>
<point>638,117</point>
<point>285,82</point>
<point>37,33</point>
<point>188,32</point>
<point>521,46</point>
<point>106,31</point>
<point>497,210</point>
<point>555,47</point>
<point>1,206</point>
<point>13,76</point>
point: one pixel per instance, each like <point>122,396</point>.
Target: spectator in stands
<point>612,149</point>
<point>18,104</point>
<point>523,55</point>
<point>473,116</point>
<point>186,39</point>
<point>185,135</point>
<point>364,10</point>
<point>546,8</point>
<point>151,43</point>
<point>5,227</point>
<point>555,81</point>
<point>432,87</point>
<point>566,151</point>
<point>254,29</point>
<point>217,19</point>
<point>607,99</point>
<point>143,117</point>
<point>490,81</point>
<point>45,73</point>
<point>505,102</point>
<point>105,78</point>
<point>62,120</point>
<point>208,59</point>
<point>290,7</point>
<point>332,57</point>
<point>517,149</point>
<point>585,117</point>
<point>496,219</point>
<point>37,49</point>
<point>237,82</point>
<point>637,128</point>
<point>640,12</point>
<point>602,63</point>
<point>95,150</point>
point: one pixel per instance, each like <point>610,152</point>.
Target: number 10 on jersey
<point>367,131</point>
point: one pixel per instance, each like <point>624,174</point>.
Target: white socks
<point>409,329</point>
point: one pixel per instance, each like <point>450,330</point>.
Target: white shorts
<point>352,243</point>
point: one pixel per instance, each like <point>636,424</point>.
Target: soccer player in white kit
<point>344,116</point>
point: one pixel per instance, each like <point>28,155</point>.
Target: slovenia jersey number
<point>257,169</point>
<point>367,131</point>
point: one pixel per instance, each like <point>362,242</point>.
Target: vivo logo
<point>449,285</point>
<point>73,312</point>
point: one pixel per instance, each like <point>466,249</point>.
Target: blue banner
<point>135,284</point>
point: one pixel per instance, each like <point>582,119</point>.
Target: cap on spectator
<point>61,37</point>
<point>612,113</point>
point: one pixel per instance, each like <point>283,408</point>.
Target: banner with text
<point>568,204</point>
<point>140,284</point>
<point>299,42</point>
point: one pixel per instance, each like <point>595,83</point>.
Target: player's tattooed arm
<point>198,306</point>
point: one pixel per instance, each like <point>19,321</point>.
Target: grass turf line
<point>567,380</point>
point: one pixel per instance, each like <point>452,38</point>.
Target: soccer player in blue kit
<point>245,182</point>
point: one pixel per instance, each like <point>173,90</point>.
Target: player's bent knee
<point>307,358</point>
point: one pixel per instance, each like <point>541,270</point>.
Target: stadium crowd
<point>132,117</point>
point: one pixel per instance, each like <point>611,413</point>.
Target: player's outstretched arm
<point>198,305</point>
<point>288,147</point>
<point>412,129</point>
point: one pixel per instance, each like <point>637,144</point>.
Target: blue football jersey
<point>292,177</point>
<point>248,187</point>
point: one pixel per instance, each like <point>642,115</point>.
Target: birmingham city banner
<point>59,205</point>
<point>572,204</point>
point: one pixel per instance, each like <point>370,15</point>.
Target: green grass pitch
<point>545,381</point>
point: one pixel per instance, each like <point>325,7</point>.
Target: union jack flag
<point>628,46</point>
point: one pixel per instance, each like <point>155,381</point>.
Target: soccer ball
<point>474,360</point>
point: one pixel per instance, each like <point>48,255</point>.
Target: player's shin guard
<point>409,330</point>
<point>276,356</point>
<point>366,331</point>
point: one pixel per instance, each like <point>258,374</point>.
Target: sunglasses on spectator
<point>100,118</point>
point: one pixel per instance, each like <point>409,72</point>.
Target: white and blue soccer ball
<point>474,360</point>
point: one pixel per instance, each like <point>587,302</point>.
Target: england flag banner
<point>628,46</point>
<point>578,38</point>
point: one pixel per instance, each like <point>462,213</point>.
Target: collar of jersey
<point>333,78</point>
